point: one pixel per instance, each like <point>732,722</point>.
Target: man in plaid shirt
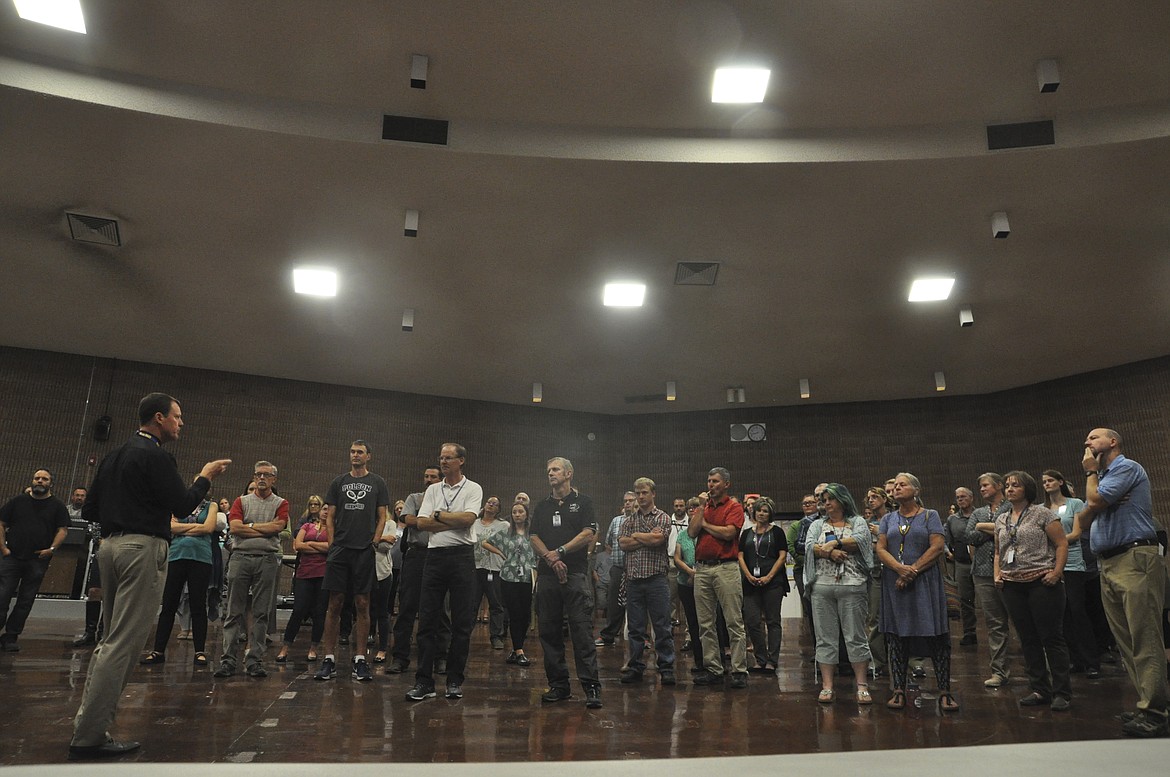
<point>643,539</point>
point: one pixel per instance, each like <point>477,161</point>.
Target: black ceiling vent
<point>638,399</point>
<point>696,273</point>
<point>1023,135</point>
<point>412,129</point>
<point>93,229</point>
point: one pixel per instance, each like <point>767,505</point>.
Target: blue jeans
<point>649,595</point>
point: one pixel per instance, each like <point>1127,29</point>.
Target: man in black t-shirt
<point>32,526</point>
<point>357,504</point>
<point>563,528</point>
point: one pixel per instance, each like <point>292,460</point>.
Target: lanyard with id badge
<point>1009,555</point>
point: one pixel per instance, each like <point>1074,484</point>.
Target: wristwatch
<point>1091,472</point>
<point>561,551</point>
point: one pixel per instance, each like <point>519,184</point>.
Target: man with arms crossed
<point>563,527</point>
<point>136,491</point>
<point>356,505</point>
<point>1119,517</point>
<point>414,558</point>
<point>254,522</point>
<point>717,580</point>
<point>448,510</point>
<point>643,538</point>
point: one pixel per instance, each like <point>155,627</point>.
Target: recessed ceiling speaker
<point>999,225</point>
<point>966,317</point>
<point>418,71</point>
<point>1047,76</point>
<point>408,320</point>
<point>411,229</point>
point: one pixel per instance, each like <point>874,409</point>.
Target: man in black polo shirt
<point>136,491</point>
<point>563,528</point>
<point>32,526</point>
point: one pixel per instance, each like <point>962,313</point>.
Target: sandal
<point>311,657</point>
<point>947,702</point>
<point>863,695</point>
<point>282,658</point>
<point>380,657</point>
<point>153,657</point>
<point>897,701</point>
<point>825,696</point>
<point>201,659</point>
<point>184,635</point>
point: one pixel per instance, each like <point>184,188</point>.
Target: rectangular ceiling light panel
<point>931,289</point>
<point>65,14</point>
<point>740,85</point>
<point>624,295</point>
<point>315,281</point>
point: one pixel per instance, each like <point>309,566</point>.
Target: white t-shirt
<point>466,496</point>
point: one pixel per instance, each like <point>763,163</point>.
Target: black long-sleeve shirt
<point>138,488</point>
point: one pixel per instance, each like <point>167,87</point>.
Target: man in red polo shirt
<point>717,581</point>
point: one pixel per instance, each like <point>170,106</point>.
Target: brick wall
<point>305,429</point>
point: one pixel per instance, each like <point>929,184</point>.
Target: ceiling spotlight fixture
<point>411,229</point>
<point>930,289</point>
<point>671,391</point>
<point>740,85</point>
<point>537,392</point>
<point>418,71</point>
<point>966,317</point>
<point>940,382</point>
<point>999,225</point>
<point>624,295</point>
<point>65,14</point>
<point>804,391</point>
<point>1047,76</point>
<point>315,281</point>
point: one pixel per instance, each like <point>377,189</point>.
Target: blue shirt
<point>1124,522</point>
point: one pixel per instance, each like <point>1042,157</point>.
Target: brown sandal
<point>897,701</point>
<point>947,702</point>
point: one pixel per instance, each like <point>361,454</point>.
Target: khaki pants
<point>721,585</point>
<point>996,617</point>
<point>1133,591</point>
<point>133,569</point>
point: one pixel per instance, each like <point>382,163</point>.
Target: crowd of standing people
<point>1076,579</point>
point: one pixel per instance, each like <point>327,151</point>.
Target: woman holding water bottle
<point>841,549</point>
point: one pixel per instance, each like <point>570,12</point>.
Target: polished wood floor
<point>182,714</point>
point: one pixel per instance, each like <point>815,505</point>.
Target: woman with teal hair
<point>839,549</point>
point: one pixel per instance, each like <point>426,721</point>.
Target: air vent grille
<point>94,229</point>
<point>696,273</point>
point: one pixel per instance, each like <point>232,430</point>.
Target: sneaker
<point>328,670</point>
<point>1060,704</point>
<point>361,671</point>
<point>1093,673</point>
<point>631,676</point>
<point>397,666</point>
<point>454,691</point>
<point>8,644</point>
<point>995,681</point>
<point>226,669</point>
<point>593,697</point>
<point>739,680</point>
<point>256,670</point>
<point>497,643</point>
<point>603,642</point>
<point>707,678</point>
<point>667,677</point>
<point>918,672</point>
<point>421,691</point>
<point>1146,724</point>
<point>555,695</point>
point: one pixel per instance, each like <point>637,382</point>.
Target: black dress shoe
<point>522,660</point>
<point>111,748</point>
<point>706,678</point>
<point>556,694</point>
<point>1035,700</point>
<point>85,640</point>
<point>1060,704</point>
<point>968,639</point>
<point>631,676</point>
<point>397,666</point>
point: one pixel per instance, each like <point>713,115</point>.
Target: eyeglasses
<point>264,475</point>
<point>449,458</point>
